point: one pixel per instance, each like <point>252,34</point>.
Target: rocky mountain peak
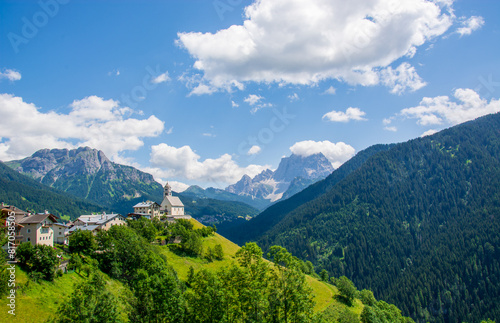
<point>310,167</point>
<point>272,184</point>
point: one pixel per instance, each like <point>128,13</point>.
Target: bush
<point>82,242</point>
<point>40,260</point>
<point>347,289</point>
<point>218,252</point>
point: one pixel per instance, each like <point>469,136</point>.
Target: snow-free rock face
<point>271,185</point>
<point>63,162</point>
<point>87,173</point>
<point>310,167</point>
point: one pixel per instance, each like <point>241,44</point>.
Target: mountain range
<point>32,196</point>
<point>294,173</point>
<point>88,174</point>
<point>416,222</point>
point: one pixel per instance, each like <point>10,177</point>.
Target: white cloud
<point>465,105</point>
<point>234,104</point>
<point>92,121</point>
<point>349,114</point>
<point>184,163</point>
<point>178,186</point>
<point>203,89</point>
<point>403,78</point>
<point>387,122</point>
<point>11,75</point>
<point>470,25</point>
<point>253,99</point>
<point>161,78</point>
<point>114,72</point>
<point>429,132</point>
<point>349,43</point>
<point>208,134</point>
<point>260,106</point>
<point>336,153</point>
<point>293,97</point>
<point>331,90</point>
<point>254,150</point>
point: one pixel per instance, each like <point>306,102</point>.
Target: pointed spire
<point>168,190</point>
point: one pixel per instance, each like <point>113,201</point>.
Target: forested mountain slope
<point>417,224</point>
<point>88,174</point>
<point>27,194</point>
<point>253,229</point>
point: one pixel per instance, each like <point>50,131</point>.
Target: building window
<point>29,239</point>
<point>29,230</point>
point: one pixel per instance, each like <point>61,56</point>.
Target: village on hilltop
<point>46,228</point>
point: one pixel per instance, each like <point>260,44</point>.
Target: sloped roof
<point>38,218</point>
<point>174,200</point>
<point>145,204</point>
<point>62,224</point>
<point>97,218</point>
<point>83,228</point>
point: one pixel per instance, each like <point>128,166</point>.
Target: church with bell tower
<point>171,205</point>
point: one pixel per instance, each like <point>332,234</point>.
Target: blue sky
<point>202,92</point>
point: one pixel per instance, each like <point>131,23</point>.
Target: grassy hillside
<point>324,294</point>
<point>38,302</point>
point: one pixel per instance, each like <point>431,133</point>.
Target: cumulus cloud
<point>403,78</point>
<point>11,75</point>
<point>470,25</point>
<point>465,105</point>
<point>114,72</point>
<point>349,114</point>
<point>387,126</point>
<point>293,97</point>
<point>92,121</point>
<point>429,132</point>
<point>354,43</point>
<point>184,163</point>
<point>336,153</point>
<point>331,90</point>
<point>161,78</point>
<point>176,186</point>
<point>253,99</point>
<point>234,104</point>
<point>254,150</point>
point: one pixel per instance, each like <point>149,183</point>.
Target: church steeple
<point>167,190</point>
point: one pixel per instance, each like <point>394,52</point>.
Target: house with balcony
<point>9,210</point>
<point>147,209</point>
<point>37,228</point>
<point>61,233</point>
